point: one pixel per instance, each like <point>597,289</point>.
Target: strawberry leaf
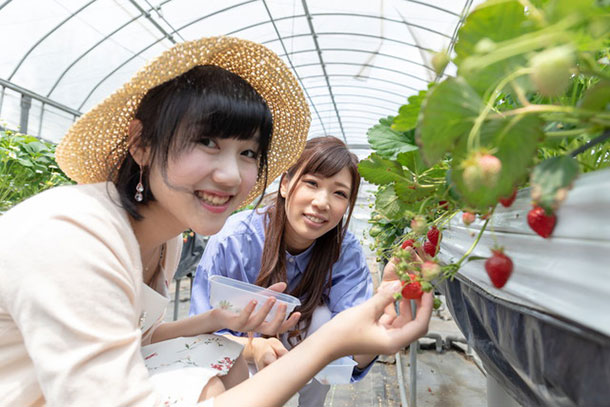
<point>480,56</point>
<point>407,114</point>
<point>380,171</point>
<point>514,141</point>
<point>447,113</point>
<point>389,143</point>
<point>413,161</point>
<point>551,179</point>
<point>597,97</point>
<point>409,193</point>
<point>388,204</point>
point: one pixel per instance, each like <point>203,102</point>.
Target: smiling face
<point>314,205</point>
<point>204,184</point>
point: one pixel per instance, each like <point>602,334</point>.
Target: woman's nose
<point>321,200</point>
<point>227,172</point>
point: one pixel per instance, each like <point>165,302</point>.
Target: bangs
<point>219,116</point>
<point>332,161</point>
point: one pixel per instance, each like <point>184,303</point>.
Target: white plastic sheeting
<point>565,275</point>
<point>357,59</point>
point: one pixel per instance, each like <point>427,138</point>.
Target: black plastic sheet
<point>539,359</point>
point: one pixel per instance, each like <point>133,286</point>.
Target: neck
<point>153,230</point>
<point>295,244</point>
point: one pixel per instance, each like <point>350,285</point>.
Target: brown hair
<point>323,156</point>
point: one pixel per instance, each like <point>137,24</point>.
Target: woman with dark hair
<point>323,263</point>
<point>181,146</point>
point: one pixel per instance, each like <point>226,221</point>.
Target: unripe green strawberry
<point>430,270</point>
<point>468,218</point>
<point>375,230</point>
<point>439,62</point>
<point>418,224</point>
<point>485,46</point>
<point>551,70</point>
<point>481,169</point>
<point>437,303</point>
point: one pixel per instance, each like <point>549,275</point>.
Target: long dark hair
<point>323,156</point>
<point>206,101</point>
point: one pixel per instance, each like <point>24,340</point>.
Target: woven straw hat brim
<point>98,140</point>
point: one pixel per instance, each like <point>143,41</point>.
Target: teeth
<point>314,219</point>
<point>212,199</point>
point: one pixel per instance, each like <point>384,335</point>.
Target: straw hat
<point>98,140</point>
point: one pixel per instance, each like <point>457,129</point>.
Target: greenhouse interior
<point>442,163</point>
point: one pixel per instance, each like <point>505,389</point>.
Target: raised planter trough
<point>545,336</point>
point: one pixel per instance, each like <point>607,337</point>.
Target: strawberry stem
<point>476,241</point>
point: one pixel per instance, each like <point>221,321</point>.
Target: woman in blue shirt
<point>323,265</point>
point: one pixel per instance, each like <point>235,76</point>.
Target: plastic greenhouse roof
<point>358,60</point>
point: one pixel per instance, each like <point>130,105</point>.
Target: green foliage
<point>508,102</point>
<point>27,166</point>
<point>388,142</point>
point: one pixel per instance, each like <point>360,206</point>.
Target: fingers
<point>279,287</point>
<point>384,297</point>
<point>424,310</point>
<point>278,347</point>
<point>272,327</point>
<point>244,314</point>
<point>258,317</point>
<point>289,323</point>
<point>265,360</point>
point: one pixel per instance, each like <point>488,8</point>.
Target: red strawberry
<point>443,204</point>
<point>407,243</point>
<point>506,202</point>
<point>499,268</point>
<point>434,235</point>
<point>412,290</point>
<point>540,222</point>
<point>468,218</point>
<point>430,248</point>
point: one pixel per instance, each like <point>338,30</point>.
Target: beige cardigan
<point>70,285</point>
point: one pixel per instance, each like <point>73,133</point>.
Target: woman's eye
<point>342,194</point>
<point>250,154</point>
<point>208,142</point>
<point>310,182</point>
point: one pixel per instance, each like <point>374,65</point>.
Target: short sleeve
<point>351,283</point>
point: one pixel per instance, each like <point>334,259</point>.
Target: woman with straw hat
<point>192,137</point>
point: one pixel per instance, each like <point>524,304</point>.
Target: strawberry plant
<point>27,166</point>
<point>529,106</point>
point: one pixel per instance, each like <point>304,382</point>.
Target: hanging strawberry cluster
<point>529,107</point>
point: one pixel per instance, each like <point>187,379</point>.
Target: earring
<point>139,188</point>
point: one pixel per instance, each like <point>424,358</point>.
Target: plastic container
<point>234,295</point>
<point>337,372</point>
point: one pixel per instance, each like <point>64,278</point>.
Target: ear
<point>284,185</point>
<point>137,151</point>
